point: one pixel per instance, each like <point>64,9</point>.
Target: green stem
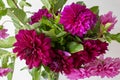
<point>36,73</point>
<point>15,4</point>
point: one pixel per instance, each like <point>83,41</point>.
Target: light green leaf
<point>23,3</point>
<point>75,47</point>
<point>7,43</point>
<point>46,4</point>
<point>12,3</point>
<point>95,9</point>
<point>17,14</point>
<point>110,37</point>
<point>2,5</point>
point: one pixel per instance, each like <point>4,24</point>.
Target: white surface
<point>105,6</point>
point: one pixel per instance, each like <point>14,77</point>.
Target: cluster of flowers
<point>36,48</point>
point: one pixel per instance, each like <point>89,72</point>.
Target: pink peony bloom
<point>38,15</point>
<point>3,33</point>
<point>108,18</point>
<point>104,67</point>
<point>77,74</point>
<point>4,71</point>
<point>77,19</point>
<point>61,62</point>
<point>34,48</point>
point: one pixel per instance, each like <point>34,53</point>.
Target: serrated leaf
<point>12,4</point>
<point>46,4</point>
<point>7,43</point>
<point>95,9</point>
<point>75,47</point>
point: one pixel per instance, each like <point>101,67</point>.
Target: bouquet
<point>68,39</point>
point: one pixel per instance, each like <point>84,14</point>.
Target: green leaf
<point>95,9</point>
<point>7,43</point>
<point>12,3</point>
<point>59,4</point>
<point>75,47</point>
<point>81,3</point>
<point>46,4</point>
<point>44,74</point>
<point>17,14</point>
<point>115,37</point>
<point>23,3</point>
<point>23,68</point>
<point>2,5</point>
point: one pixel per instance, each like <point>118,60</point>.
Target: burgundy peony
<point>92,49</point>
<point>61,62</point>
<point>34,48</point>
<point>77,19</point>
<point>38,15</point>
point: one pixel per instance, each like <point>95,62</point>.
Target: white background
<point>105,6</point>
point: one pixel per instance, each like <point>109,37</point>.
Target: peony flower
<point>95,47</point>
<point>34,48</point>
<point>108,18</point>
<point>4,71</point>
<point>77,74</point>
<point>92,49</point>
<point>104,67</point>
<point>38,15</point>
<point>77,19</point>
<point>3,33</point>
<point>61,62</point>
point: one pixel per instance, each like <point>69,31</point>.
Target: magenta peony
<point>108,18</point>
<point>4,71</point>
<point>38,15</point>
<point>77,19</point>
<point>34,48</point>
<point>3,33</point>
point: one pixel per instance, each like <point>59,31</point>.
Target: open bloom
<point>104,67</point>
<point>34,48</point>
<point>38,15</point>
<point>3,33</point>
<point>77,19</point>
<point>92,49</point>
<point>4,71</point>
<point>108,18</point>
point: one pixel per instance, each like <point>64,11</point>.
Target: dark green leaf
<point>59,4</point>
<point>81,3</point>
<point>95,9</point>
<point>46,4</point>
<point>44,74</point>
<point>12,3</point>
<point>7,43</point>
<point>75,47</point>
